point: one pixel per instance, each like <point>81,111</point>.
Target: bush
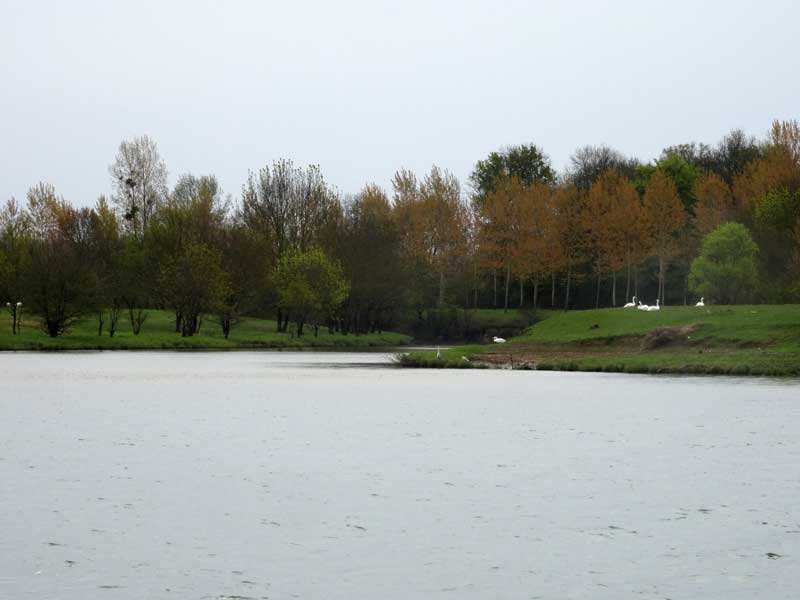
<point>725,271</point>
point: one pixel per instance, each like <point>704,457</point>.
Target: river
<point>131,475</point>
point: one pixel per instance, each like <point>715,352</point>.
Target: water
<point>273,475</point>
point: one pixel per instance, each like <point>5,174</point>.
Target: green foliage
<point>778,208</point>
<point>526,162</point>
<point>726,270</point>
<point>310,286</point>
<point>59,285</point>
<point>193,282</point>
<point>683,175</point>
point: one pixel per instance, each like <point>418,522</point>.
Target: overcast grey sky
<point>364,88</point>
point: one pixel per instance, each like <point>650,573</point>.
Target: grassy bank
<point>746,340</point>
<point>158,332</point>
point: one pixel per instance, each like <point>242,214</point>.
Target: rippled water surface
<point>278,475</point>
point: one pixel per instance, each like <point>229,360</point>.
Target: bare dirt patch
<point>666,336</point>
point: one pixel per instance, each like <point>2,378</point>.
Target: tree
<point>611,219</point>
<point>368,248</point>
<point>289,206</point>
<point>527,162</point>
<point>135,282</point>
<point>569,233</point>
<point>664,216</point>
<point>139,180</point>
<point>589,162</point>
<point>59,282</point>
<point>194,283</point>
<point>683,175</point>
<point>715,204</point>
<point>445,221</point>
<point>726,269</point>
<point>534,252</point>
<point>769,193</point>
<point>499,231</point>
<point>105,247</point>
<point>14,240</point>
<point>310,286</point>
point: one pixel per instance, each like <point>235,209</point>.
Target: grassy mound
<point>757,340</point>
<point>158,332</point>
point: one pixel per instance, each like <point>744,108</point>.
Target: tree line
<point>293,248</point>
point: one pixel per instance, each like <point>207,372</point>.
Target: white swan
<point>438,354</point>
<point>701,303</point>
<point>656,307</point>
<point>642,306</point>
<point>631,304</point>
<point>498,340</point>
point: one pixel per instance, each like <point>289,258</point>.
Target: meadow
<point>158,332</point>
<point>744,340</point>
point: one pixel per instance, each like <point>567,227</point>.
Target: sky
<point>365,88</point>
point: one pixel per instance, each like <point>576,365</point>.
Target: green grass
<point>158,333</point>
<point>757,340</point>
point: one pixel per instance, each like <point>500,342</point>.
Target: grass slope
<point>158,332</point>
<point>758,340</point>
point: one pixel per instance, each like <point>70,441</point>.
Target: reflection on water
<point>273,475</point>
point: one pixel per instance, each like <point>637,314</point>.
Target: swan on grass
<point>701,303</point>
<point>642,306</point>
<point>631,304</point>
<point>498,340</point>
<point>656,307</point>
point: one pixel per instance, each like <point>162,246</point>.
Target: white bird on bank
<point>498,340</point>
<point>656,307</point>
<point>642,306</point>
<point>701,303</point>
<point>438,354</point>
<point>631,304</point>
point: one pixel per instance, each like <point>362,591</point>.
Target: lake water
<point>336,476</point>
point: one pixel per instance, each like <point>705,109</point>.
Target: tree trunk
<point>508,283</point>
<point>100,322</point>
<point>614,289</point>
<point>661,280</point>
<point>536,292</point>
<point>566,296</point>
<point>494,277</point>
<point>597,296</point>
<point>628,282</point>
<point>685,289</point>
<point>441,288</point>
<point>521,292</point>
<point>552,290</point>
<point>475,283</point>
<point>636,281</point>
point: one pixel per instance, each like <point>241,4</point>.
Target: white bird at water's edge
<point>498,340</point>
<point>631,304</point>
<point>701,303</point>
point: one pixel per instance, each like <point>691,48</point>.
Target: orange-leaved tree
<point>665,217</point>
